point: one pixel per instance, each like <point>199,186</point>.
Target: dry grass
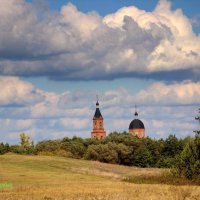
<point>51,178</point>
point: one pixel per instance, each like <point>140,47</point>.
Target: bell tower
<point>98,131</point>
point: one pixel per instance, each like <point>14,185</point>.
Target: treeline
<point>121,148</point>
<point>117,148</point>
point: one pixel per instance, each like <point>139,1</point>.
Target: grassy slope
<point>43,177</point>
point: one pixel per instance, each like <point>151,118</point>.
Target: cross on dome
<point>136,113</point>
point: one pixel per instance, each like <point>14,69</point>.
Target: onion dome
<point>136,124</point>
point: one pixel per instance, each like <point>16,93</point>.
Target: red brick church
<point>136,126</point>
<point>98,129</point>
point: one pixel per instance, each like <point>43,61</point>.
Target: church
<point>98,129</point>
<point>136,126</point>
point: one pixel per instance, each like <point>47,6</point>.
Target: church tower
<point>98,130</point>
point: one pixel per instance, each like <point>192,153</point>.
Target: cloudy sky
<point>56,56</point>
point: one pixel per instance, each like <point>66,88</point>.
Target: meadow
<point>59,178</point>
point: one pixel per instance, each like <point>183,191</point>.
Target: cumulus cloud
<point>157,94</point>
<point>46,115</point>
<point>71,45</point>
<point>15,92</point>
<point>184,93</point>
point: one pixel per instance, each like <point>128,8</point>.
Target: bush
<point>120,148</point>
<point>142,157</point>
<point>61,153</point>
<point>188,163</point>
<point>48,146</point>
<point>4,148</point>
<point>165,162</point>
<point>172,146</point>
<point>103,152</point>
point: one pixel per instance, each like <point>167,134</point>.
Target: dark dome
<point>136,123</point>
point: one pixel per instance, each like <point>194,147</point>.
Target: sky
<point>56,56</point>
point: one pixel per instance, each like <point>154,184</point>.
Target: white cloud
<point>76,45</point>
<point>17,92</point>
<point>84,24</point>
<point>173,94</point>
<point>178,48</point>
<point>164,109</point>
<point>15,124</point>
<point>75,123</point>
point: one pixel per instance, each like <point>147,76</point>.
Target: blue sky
<point>190,8</point>
<point>55,56</point>
<point>104,7</point>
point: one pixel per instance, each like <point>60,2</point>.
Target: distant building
<point>98,129</point>
<point>136,127</point>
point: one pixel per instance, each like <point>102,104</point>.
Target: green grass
<point>46,177</point>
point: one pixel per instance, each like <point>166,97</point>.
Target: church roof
<point>97,112</point>
<point>136,123</point>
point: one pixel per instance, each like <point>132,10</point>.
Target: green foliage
<point>142,157</point>
<point>166,162</point>
<point>172,146</point>
<point>75,147</point>
<point>25,140</point>
<point>102,152</point>
<point>26,146</point>
<point>188,163</point>
<point>120,148</point>
<point>155,148</point>
<point>125,155</point>
<point>48,146</point>
<point>4,148</point>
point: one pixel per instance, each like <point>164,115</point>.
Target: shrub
<point>142,157</point>
<point>4,148</point>
<point>188,163</point>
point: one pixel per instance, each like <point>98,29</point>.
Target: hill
<point>48,178</point>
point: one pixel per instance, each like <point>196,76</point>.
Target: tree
<point>4,148</point>
<point>188,163</point>
<point>25,140</point>
<point>142,157</point>
<point>77,149</point>
<point>155,147</point>
<point>172,146</point>
<point>48,146</point>
<point>26,147</point>
<point>125,155</point>
<point>102,152</point>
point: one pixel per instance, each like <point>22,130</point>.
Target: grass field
<point>48,178</point>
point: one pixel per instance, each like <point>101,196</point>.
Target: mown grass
<point>51,178</point>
